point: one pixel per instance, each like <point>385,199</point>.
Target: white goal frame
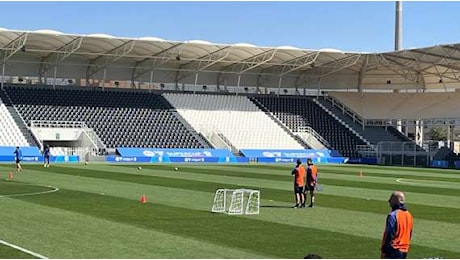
<point>236,201</point>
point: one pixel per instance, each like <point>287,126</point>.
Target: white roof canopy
<point>435,66</point>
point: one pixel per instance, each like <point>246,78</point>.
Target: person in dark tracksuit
<point>46,156</point>
<point>18,158</point>
<point>398,229</point>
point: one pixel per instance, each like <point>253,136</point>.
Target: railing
<point>388,122</point>
<point>313,133</point>
<point>369,151</point>
<point>216,138</point>
<point>97,142</point>
<point>346,110</point>
<point>342,122</point>
<point>57,124</point>
<point>278,121</point>
<point>93,137</point>
<point>225,139</point>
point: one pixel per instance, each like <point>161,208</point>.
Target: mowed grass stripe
<point>237,232</point>
<point>443,214</point>
<point>69,234</point>
<point>350,222</point>
<point>203,200</point>
<point>13,187</point>
<point>381,171</point>
<point>358,182</point>
<point>376,171</point>
<point>425,198</point>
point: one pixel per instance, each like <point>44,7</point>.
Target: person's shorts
<point>395,254</point>
<point>309,187</point>
<point>298,189</point>
<point>18,161</point>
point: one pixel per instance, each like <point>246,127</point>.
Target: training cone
<point>10,176</point>
<point>143,199</point>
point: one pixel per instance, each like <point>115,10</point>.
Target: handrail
<point>94,138</point>
<point>311,131</point>
<point>346,110</point>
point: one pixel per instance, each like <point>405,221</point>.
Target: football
<point>139,168</point>
<point>176,169</point>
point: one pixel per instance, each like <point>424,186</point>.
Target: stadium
<point>167,149</point>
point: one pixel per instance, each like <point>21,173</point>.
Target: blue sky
<point>349,26</point>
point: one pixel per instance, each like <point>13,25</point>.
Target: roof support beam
<point>362,73</point>
<point>404,70</point>
<point>13,47</point>
<point>448,56</point>
<point>298,63</point>
<point>456,49</point>
<point>108,58</point>
<point>256,61</point>
<point>393,59</point>
<point>251,62</point>
<point>148,64</point>
<point>294,64</point>
<point>60,55</point>
<point>204,62</point>
<point>335,66</point>
<point>408,73</point>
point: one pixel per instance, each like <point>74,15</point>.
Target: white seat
<point>236,117</point>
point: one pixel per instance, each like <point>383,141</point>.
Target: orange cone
<point>10,176</point>
<point>143,199</point>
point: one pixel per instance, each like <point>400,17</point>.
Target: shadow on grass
<point>276,206</point>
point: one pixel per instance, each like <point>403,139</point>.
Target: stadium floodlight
<point>236,201</point>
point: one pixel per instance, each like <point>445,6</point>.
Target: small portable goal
<point>236,201</point>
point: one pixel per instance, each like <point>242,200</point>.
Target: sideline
<point>23,250</point>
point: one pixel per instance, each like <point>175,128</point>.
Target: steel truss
<point>13,47</point>
<point>418,61</point>
<point>404,70</point>
<point>150,63</point>
<point>103,61</point>
<point>10,49</point>
<point>53,59</point>
<point>202,63</point>
<point>250,63</point>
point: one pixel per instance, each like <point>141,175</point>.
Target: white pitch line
<point>425,183</point>
<point>23,249</point>
<point>54,189</point>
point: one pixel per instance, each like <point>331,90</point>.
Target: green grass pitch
<point>94,211</point>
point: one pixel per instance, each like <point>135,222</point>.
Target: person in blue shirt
<point>46,156</point>
<point>18,158</point>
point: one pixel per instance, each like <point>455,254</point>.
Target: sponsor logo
<point>148,153</point>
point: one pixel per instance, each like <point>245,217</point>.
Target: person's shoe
<point>296,206</point>
<point>310,206</point>
<point>302,205</point>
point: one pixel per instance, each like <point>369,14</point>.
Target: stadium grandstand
<point>155,93</point>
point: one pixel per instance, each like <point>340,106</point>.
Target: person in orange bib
<point>312,177</point>
<point>398,229</point>
<point>299,182</point>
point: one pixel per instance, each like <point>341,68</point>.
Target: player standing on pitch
<point>46,156</point>
<point>18,158</point>
<point>312,177</point>
<point>299,182</point>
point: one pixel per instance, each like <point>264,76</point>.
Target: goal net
<point>236,201</point>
